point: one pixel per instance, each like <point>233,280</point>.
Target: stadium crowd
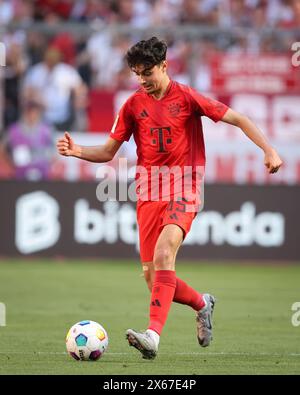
<point>50,71</point>
<point>144,13</point>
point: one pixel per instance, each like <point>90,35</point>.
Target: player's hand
<point>272,161</point>
<point>66,146</point>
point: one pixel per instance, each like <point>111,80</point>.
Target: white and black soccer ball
<point>86,341</point>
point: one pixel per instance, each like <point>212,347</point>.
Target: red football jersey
<point>168,132</point>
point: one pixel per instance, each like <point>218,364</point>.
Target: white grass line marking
<point>202,354</point>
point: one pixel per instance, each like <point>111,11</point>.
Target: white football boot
<point>146,342</point>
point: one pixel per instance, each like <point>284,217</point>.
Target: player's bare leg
<point>148,273</point>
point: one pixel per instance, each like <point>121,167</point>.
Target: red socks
<point>168,288</point>
<point>184,294</point>
<point>161,298</point>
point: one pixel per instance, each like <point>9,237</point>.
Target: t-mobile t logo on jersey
<point>162,138</point>
<point>2,54</point>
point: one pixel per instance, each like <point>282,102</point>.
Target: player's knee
<point>163,257</point>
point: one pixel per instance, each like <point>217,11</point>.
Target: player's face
<point>151,79</point>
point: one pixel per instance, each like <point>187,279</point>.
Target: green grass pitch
<point>253,331</point>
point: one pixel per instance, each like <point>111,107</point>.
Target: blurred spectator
<point>65,44</point>
<point>62,89</point>
<point>29,142</point>
<point>6,11</point>
<point>292,20</point>
<point>202,77</point>
<point>275,11</point>
<point>90,10</point>
<point>106,54</point>
<point>240,14</point>
<point>179,56</point>
<point>142,14</point>
<point>191,12</point>
<point>125,79</point>
<point>166,12</point>
<point>35,46</point>
<point>61,8</point>
<point>23,11</point>
<point>16,63</point>
<point>18,11</point>
<point>137,13</point>
<point>7,170</point>
<point>259,15</point>
<point>203,11</point>
<point>83,63</point>
<point>122,10</point>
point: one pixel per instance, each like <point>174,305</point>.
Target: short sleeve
<point>208,107</point>
<point>124,124</point>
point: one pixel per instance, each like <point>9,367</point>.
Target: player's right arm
<point>99,154</point>
<point>122,129</point>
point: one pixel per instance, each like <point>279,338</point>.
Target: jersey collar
<point>170,84</point>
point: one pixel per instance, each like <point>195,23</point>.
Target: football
<point>86,341</point>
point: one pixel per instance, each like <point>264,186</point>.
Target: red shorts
<point>153,216</point>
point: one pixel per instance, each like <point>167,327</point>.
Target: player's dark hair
<point>147,53</point>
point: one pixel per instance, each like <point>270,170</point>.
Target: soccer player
<point>164,117</point>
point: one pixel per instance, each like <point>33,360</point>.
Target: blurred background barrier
<point>66,219</point>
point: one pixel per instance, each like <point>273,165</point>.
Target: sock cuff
<point>165,276</point>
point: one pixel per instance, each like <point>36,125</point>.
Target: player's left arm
<point>272,160</point>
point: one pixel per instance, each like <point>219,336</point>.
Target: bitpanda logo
<point>38,225</point>
<point>239,228</point>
